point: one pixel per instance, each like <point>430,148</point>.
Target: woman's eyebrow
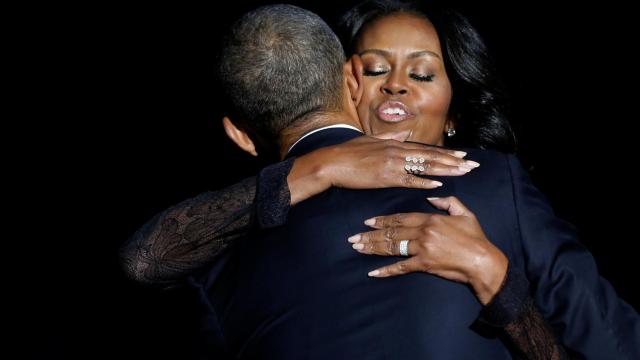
<point>412,55</point>
<point>374,51</point>
<point>416,54</point>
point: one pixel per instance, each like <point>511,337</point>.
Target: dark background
<point>128,124</point>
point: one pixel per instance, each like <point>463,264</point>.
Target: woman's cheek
<point>363,115</point>
<point>364,111</point>
<point>443,100</point>
<point>436,103</point>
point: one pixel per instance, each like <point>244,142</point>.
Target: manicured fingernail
<point>374,273</point>
<point>358,246</point>
<point>354,238</point>
<point>473,164</point>
<point>463,169</point>
<point>460,153</point>
<point>437,183</point>
<point>432,198</point>
<point>370,222</point>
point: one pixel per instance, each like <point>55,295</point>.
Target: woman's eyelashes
<point>422,77</point>
<point>417,77</point>
<point>374,72</point>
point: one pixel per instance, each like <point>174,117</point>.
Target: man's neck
<point>290,135</point>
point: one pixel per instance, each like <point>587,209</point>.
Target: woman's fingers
<point>456,153</point>
<point>439,169</point>
<point>431,162</point>
<point>433,156</point>
<point>399,268</point>
<point>414,182</point>
<point>400,219</point>
<point>416,146</point>
<point>408,174</point>
<point>382,164</point>
<point>385,248</point>
<point>452,205</point>
<point>432,153</point>
<point>388,234</point>
<point>449,246</point>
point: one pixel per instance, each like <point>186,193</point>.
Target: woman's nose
<point>393,87</point>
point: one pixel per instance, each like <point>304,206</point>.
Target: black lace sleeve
<point>531,337</point>
<point>523,328</point>
<point>183,238</point>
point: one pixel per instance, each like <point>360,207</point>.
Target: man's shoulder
<point>494,164</point>
<point>494,179</point>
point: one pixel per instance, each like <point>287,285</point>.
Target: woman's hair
<point>479,101</point>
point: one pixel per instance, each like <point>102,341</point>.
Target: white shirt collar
<point>345,126</point>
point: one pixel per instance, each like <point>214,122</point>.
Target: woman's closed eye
<point>420,77</point>
<point>417,77</point>
<point>374,72</point>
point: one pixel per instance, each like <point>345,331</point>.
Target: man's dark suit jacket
<point>300,291</point>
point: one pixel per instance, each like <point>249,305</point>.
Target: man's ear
<point>239,137</point>
<point>353,73</point>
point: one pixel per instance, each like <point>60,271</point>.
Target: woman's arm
<point>531,337</point>
<point>190,234</point>
<point>521,326</point>
<point>186,236</point>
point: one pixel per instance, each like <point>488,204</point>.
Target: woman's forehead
<point>400,31</point>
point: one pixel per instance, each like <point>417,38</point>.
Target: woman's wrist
<point>489,274</point>
<point>309,176</point>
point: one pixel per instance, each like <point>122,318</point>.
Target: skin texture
<point>450,246</point>
<point>380,164</point>
<point>397,52</point>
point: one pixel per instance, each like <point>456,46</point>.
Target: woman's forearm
<point>520,324</point>
<point>183,238</point>
<point>308,176</point>
<point>487,273</point>
<point>186,236</point>
<point>531,336</point>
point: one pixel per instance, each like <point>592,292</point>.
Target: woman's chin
<point>380,127</point>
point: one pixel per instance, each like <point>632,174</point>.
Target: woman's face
<point>405,82</point>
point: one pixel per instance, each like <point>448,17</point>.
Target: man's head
<point>280,66</point>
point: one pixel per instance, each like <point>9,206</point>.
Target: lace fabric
<point>183,238</point>
<point>521,325</point>
<point>530,336</point>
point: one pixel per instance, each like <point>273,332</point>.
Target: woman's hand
<point>453,247</point>
<point>370,163</point>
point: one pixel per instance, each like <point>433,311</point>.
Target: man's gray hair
<point>280,64</point>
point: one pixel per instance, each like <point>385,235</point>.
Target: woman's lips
<point>393,111</point>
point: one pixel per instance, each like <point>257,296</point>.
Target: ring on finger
<point>415,164</point>
<point>404,247</point>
